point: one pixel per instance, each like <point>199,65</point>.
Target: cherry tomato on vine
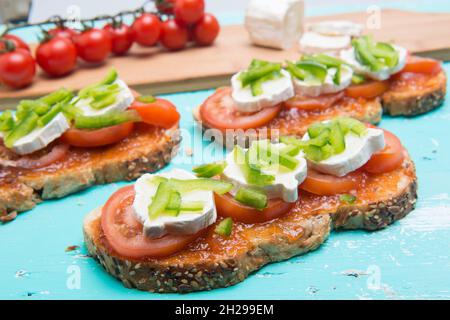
<point>206,30</point>
<point>93,45</point>
<point>63,32</point>
<point>18,42</point>
<point>165,6</point>
<point>173,35</point>
<point>122,37</point>
<point>17,68</point>
<point>147,29</point>
<point>189,11</point>
<point>57,56</point>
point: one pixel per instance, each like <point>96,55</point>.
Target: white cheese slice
<point>124,99</point>
<point>383,74</point>
<point>286,182</point>
<point>313,42</point>
<point>39,138</point>
<point>358,151</point>
<point>276,24</point>
<point>328,86</point>
<point>337,28</point>
<point>185,222</point>
<point>274,92</point>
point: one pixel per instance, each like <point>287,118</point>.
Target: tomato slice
<point>99,137</point>
<point>422,65</point>
<point>228,207</point>
<point>219,112</point>
<point>314,103</point>
<point>368,90</point>
<point>124,232</point>
<point>160,113</point>
<point>327,185</point>
<point>388,159</point>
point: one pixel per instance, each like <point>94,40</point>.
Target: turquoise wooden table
<point>408,260</point>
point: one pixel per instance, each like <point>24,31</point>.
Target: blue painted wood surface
<point>408,260</point>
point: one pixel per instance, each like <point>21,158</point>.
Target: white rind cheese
<point>123,100</point>
<point>39,138</point>
<point>276,24</point>
<point>337,28</point>
<point>358,151</point>
<point>184,223</point>
<point>285,185</point>
<point>313,42</point>
<point>383,74</point>
<point>274,92</point>
<point>316,89</point>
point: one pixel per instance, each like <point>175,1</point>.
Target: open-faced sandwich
<point>62,143</point>
<point>364,80</point>
<point>177,232</point>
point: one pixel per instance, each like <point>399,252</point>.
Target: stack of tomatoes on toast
<point>64,142</point>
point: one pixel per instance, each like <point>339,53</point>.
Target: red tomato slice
<point>314,103</point>
<point>160,113</point>
<point>124,232</point>
<point>422,65</point>
<point>219,112</point>
<point>327,185</point>
<point>368,90</point>
<point>228,207</point>
<point>388,159</point>
<point>97,138</point>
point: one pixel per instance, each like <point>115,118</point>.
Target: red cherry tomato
<point>173,35</point>
<point>165,6</point>
<point>206,30</point>
<point>17,68</point>
<point>18,42</point>
<point>93,45</point>
<point>122,37</point>
<point>189,11</point>
<point>147,29</point>
<point>62,32</point>
<point>57,57</point>
<point>159,113</point>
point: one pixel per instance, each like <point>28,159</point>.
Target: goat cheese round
<point>328,86</point>
<point>276,24</point>
<point>185,222</point>
<point>358,151</point>
<point>39,138</point>
<point>285,185</point>
<point>275,91</point>
<point>313,42</point>
<point>384,73</point>
<point>124,99</point>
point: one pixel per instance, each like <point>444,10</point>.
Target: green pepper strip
<point>217,186</point>
<point>225,227</point>
<point>252,174</point>
<point>106,120</point>
<point>252,198</point>
<point>23,128</point>
<point>210,170</point>
<point>160,200</point>
<point>347,198</point>
<point>110,77</point>
<point>284,160</point>
<point>364,55</point>
<point>254,74</point>
<point>6,121</point>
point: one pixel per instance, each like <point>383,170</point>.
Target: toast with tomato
<point>368,78</point>
<point>175,232</point>
<point>61,143</point>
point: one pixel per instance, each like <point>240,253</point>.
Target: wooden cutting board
<point>155,71</point>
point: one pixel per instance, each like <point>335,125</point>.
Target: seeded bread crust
<point>24,191</point>
<point>414,102</point>
<point>204,274</point>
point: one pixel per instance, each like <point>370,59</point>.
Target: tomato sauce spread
<point>411,81</point>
